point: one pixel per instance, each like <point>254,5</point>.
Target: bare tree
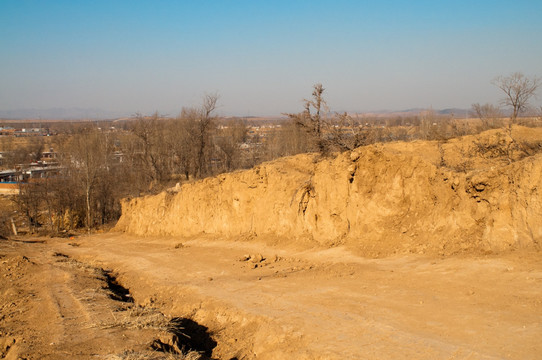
<point>288,139</point>
<point>201,122</point>
<point>181,145</point>
<point>312,119</point>
<point>428,120</point>
<point>150,132</point>
<point>229,138</point>
<point>488,114</point>
<point>205,125</point>
<point>346,133</point>
<point>28,203</point>
<point>518,89</point>
<point>86,154</point>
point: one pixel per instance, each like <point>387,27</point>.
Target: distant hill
<point>60,113</point>
<point>100,114</point>
<point>413,112</point>
<point>454,111</point>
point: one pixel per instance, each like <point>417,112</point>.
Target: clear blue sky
<point>263,57</point>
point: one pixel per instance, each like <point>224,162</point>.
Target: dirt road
<point>266,303</point>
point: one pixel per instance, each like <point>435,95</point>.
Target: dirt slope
<point>422,197</point>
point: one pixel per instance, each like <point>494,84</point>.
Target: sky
<point>263,57</point>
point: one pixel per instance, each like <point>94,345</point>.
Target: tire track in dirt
<point>60,308</point>
<point>66,312</point>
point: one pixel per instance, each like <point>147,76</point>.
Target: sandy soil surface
<point>62,298</point>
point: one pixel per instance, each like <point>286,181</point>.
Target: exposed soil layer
<point>473,194</point>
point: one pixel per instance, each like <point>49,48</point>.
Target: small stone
<point>455,183</point>
<point>245,257</point>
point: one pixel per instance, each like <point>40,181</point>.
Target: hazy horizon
<point>262,58</point>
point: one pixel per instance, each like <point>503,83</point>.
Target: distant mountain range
<point>60,113</point>
<point>441,112</point>
<point>97,114</point>
<point>416,111</point>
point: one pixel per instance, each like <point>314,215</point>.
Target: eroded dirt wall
<point>377,199</point>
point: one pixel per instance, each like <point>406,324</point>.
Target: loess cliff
<point>477,193</point>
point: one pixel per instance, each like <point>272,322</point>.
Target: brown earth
<point>262,302</point>
<point>423,250</point>
<point>478,193</point>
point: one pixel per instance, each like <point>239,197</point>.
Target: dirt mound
<point>469,194</point>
